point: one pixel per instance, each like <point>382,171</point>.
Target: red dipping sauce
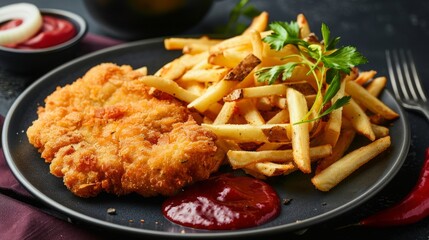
<point>54,31</point>
<point>224,202</point>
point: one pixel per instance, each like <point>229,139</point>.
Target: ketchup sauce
<point>223,202</point>
<point>54,31</point>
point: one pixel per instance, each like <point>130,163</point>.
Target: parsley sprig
<point>326,58</point>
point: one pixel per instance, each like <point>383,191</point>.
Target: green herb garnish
<point>234,26</point>
<point>284,33</point>
<point>326,58</point>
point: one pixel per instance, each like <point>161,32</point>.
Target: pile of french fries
<point>256,123</point>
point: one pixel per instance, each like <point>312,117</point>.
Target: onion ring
<point>31,22</point>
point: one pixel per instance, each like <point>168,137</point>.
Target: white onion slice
<point>31,22</point>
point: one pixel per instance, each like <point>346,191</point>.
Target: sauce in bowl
<point>224,202</point>
<point>54,31</point>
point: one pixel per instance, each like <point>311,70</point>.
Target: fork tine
<point>392,77</point>
<point>405,81</point>
<point>400,74</point>
<point>405,75</point>
<point>405,67</point>
<point>416,77</point>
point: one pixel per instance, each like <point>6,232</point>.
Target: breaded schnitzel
<point>105,132</point>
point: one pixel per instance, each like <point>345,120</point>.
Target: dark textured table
<point>372,26</point>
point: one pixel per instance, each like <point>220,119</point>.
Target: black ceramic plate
<point>308,208</point>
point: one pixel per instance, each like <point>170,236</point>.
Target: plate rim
<point>369,193</point>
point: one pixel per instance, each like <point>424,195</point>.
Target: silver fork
<point>405,81</point>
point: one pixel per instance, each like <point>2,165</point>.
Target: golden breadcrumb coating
<point>105,132</point>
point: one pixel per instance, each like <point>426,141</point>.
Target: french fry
<point>257,50</point>
<point>300,133</point>
<point>248,81</point>
<point>212,95</point>
<point>240,40</point>
<point>180,43</point>
<point>303,87</point>
<point>304,27</point>
<point>380,131</point>
<point>259,23</point>
<point>195,87</point>
<point>279,102</point>
<point>229,58</point>
<point>346,137</point>
<point>249,112</point>
<point>172,88</point>
<point>360,121</point>
<point>256,41</point>
<point>195,48</point>
<point>315,109</point>
<point>204,75</point>
<point>376,86</point>
<point>222,118</point>
<point>373,104</point>
<point>338,171</point>
<point>191,60</point>
<point>364,77</point>
<point>225,113</point>
<point>272,57</point>
<point>240,72</point>
<point>239,159</point>
<point>223,87</point>
<point>333,126</point>
<point>256,92</point>
<point>271,169</point>
<point>227,145</point>
<point>251,133</point>
<point>281,117</point>
<point>253,171</point>
<point>172,70</point>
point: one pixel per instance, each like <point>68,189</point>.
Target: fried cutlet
<point>105,132</point>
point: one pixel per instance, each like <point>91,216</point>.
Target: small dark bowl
<point>36,61</point>
<point>137,19</point>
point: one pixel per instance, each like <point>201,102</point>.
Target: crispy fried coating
<point>105,132</point>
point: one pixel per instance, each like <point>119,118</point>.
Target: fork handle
<point>422,109</point>
<point>426,111</point>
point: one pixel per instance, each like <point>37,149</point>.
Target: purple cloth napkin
<point>22,216</point>
<point>92,42</point>
<point>21,220</point>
